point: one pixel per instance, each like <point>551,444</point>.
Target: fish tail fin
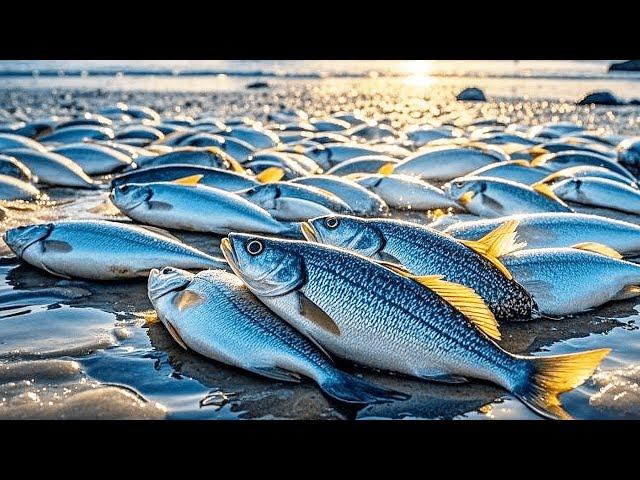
<point>350,389</point>
<point>556,374</point>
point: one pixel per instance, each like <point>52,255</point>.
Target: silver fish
<point>515,170</point>
<point>365,164</point>
<point>79,133</point>
<point>257,138</point>
<point>587,171</point>
<point>238,149</point>
<point>573,158</point>
<point>599,192</point>
<point>94,159</point>
<point>102,250</point>
<point>446,163</point>
<point>628,154</point>
<point>367,313</point>
<point>146,132</point>
<point>133,111</point>
<point>11,141</point>
<point>214,314</point>
<point>566,281</point>
<point>197,208</point>
<point>329,124</point>
<point>14,168</point>
<point>12,188</point>
<point>53,168</point>
<point>493,197</point>
<point>211,177</point>
<point>293,202</point>
<point>553,230</point>
<point>332,154</point>
<point>204,157</point>
<point>424,251</point>
<point>404,192</point>
<point>360,200</point>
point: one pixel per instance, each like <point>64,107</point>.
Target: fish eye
<point>254,247</point>
<point>331,222</point>
<point>124,188</point>
<point>459,184</point>
<point>166,270</point>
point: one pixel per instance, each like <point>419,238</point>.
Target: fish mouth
<point>230,255</point>
<point>308,232</point>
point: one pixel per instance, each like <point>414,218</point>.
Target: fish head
<point>131,195</point>
<point>18,239</point>
<point>270,267</point>
<point>569,189</point>
<point>464,190</point>
<point>344,231</point>
<point>165,281</point>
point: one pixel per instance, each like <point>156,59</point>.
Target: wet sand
<point>79,349</point>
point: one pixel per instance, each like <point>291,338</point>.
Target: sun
<point>418,73</point>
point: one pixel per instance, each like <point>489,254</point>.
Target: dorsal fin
<point>270,174</point>
<point>497,243</point>
<point>546,190</point>
<point>463,299</point>
<point>190,180</point>
<point>598,248</point>
<point>387,169</point>
<point>540,158</point>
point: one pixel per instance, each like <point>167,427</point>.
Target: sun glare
<point>418,73</point>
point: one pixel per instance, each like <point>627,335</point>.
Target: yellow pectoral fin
<point>466,197</point>
<point>465,300</point>
<point>190,180</point>
<point>387,169</point>
<point>270,174</point>
<point>187,299</point>
<point>598,248</point>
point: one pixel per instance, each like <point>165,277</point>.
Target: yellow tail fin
<point>546,190</point>
<point>497,243</point>
<point>270,174</point>
<point>554,375</point>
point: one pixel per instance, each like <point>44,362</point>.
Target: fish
<point>146,132</point>
<point>235,147</point>
<point>360,200</point>
<point>95,159</point>
<point>53,169</point>
<point>194,207</point>
<point>628,154</point>
<point>102,250</point>
<point>211,177</point>
<point>446,163</point>
<point>133,111</point>
<point>519,171</point>
<point>599,192</point>
<point>11,141</point>
<point>494,197</point>
<point>214,314</point>
<point>14,168</point>
<point>420,326</point>
<point>556,230</point>
<point>404,192</point>
<point>420,135</point>
<point>567,281</point>
<point>587,171</point>
<point>262,161</point>
<point>329,124</point>
<point>293,202</point>
<point>203,157</point>
<point>257,138</point>
<point>564,145</point>
<point>372,132</point>
<point>572,158</point>
<point>79,133</point>
<point>12,188</point>
<point>332,154</point>
<point>424,251</point>
<point>365,164</point>
<point>85,119</point>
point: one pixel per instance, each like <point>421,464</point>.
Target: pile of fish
<point>315,261</point>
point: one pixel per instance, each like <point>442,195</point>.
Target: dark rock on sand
<point>628,66</point>
<point>258,85</point>
<point>600,98</point>
<point>471,94</point>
